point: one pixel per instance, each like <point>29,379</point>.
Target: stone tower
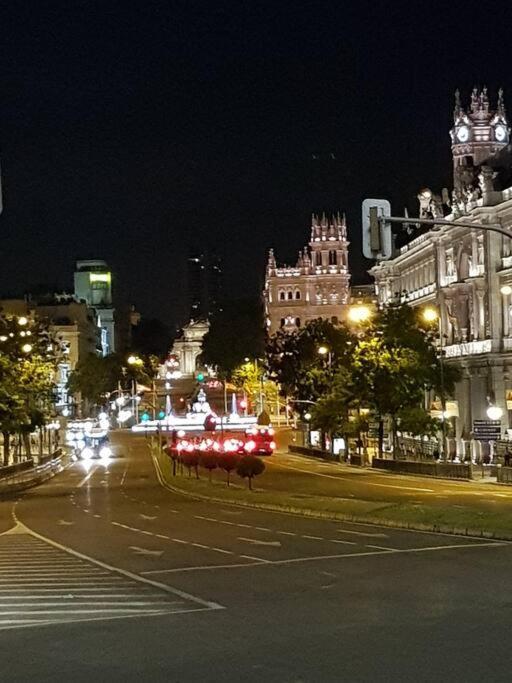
<point>479,133</point>
<point>318,285</point>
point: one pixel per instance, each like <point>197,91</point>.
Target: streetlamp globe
<point>323,350</point>
<point>506,290</point>
<point>22,320</point>
<point>430,314</point>
<point>26,348</point>
<point>307,417</point>
<point>494,412</point>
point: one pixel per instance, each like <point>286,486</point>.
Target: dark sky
<point>132,130</point>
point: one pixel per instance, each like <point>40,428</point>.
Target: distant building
<point>317,286</point>
<point>188,347</point>
<point>204,283</point>
<point>93,284</point>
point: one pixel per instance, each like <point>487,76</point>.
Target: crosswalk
<point>41,584</point>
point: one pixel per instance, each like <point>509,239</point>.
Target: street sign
<point>376,239</point>
<point>487,430</point>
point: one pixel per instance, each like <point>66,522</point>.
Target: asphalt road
<point>107,576</point>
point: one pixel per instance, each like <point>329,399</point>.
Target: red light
<point>250,446</point>
<point>243,404</point>
<point>271,431</point>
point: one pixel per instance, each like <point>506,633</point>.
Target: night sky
<point>132,131</point>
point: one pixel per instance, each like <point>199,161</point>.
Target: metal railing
<point>35,475</point>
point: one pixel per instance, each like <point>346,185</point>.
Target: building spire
<point>458,110</point>
<point>500,108</point>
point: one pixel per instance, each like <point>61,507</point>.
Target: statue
<point>486,179</point>
<point>452,319</point>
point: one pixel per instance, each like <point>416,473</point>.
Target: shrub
<point>209,461</point>
<point>228,462</point>
<point>250,466</point>
<point>191,461</point>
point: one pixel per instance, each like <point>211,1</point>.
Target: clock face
<point>463,134</point>
<point>500,132</point>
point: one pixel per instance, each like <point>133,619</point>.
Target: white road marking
<point>203,567</point>
<point>255,541</point>
<point>145,551</point>
<point>286,533</point>
<point>148,517</point>
<point>361,533</point>
<point>64,522</point>
<point>313,538</point>
<point>337,540</point>
<point>380,547</point>
<point>352,480</point>
<point>260,560</point>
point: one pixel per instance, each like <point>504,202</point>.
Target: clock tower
<point>477,134</point>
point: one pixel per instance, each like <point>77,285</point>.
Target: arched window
<point>297,322</point>
<point>290,295</point>
<point>281,295</point>
<point>334,319</point>
<point>297,293</point>
<point>332,257</point>
<point>282,322</point>
<point>318,258</point>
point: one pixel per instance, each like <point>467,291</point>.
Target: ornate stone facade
<point>467,273</point>
<point>317,286</point>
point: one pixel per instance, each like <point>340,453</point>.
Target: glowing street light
<point>323,350</point>
<point>506,290</point>
<point>26,348</point>
<point>134,360</point>
<point>430,314</point>
<point>22,320</point>
<point>494,413</point>
<point>359,314</point>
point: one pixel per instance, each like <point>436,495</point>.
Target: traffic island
<point>406,515</point>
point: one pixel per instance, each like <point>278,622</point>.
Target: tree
<point>235,333</point>
<point>28,361</point>
<point>295,364</point>
<point>191,461</point>
<point>250,377</point>
<point>228,462</point>
<point>94,377</point>
<point>151,337</point>
<point>250,466</point>
<point>330,414</point>
<point>209,461</point>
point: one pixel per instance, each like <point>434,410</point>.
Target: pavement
<point>106,574</point>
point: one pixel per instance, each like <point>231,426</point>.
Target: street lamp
<point>325,351</point>
<point>506,290</point>
<point>494,413</point>
<point>430,315</point>
<point>359,314</point>
<point>26,348</point>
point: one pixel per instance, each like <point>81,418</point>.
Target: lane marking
<point>352,480</point>
<point>122,572</point>
<point>260,560</point>
<point>145,551</point>
<point>203,567</point>
<point>361,533</point>
<point>337,540</point>
<point>313,538</point>
<point>255,541</point>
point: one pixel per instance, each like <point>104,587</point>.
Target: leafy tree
<point>296,365</point>
<point>228,462</point>
<point>210,462</point>
<point>235,333</point>
<point>191,461</point>
<point>330,414</point>
<point>251,378</point>
<point>250,466</point>
<point>151,337</point>
<point>28,361</point>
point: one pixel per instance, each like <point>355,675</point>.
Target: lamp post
<point>135,362</point>
<point>326,351</point>
<point>430,315</point>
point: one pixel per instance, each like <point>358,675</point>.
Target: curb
<point>335,516</point>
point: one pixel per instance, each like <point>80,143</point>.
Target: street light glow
<point>26,348</point>
<point>430,314</point>
<point>134,360</point>
<point>506,290</point>
<point>323,350</point>
<point>307,416</point>
<point>494,412</point>
<point>359,314</point>
<point>22,320</point>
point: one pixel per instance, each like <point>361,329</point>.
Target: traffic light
<point>200,377</point>
<point>243,404</point>
<point>161,415</point>
<point>377,239</point>
<point>145,417</point>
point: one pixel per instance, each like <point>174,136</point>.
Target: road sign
<point>487,430</point>
<point>377,240</point>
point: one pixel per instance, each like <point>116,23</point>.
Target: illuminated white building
<point>93,284</point>
<point>188,347</point>
<point>317,286</point>
<point>467,273</point>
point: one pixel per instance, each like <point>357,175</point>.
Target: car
<point>260,441</point>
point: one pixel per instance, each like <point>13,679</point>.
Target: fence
<point>18,467</point>
<point>31,477</point>
<point>432,469</point>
